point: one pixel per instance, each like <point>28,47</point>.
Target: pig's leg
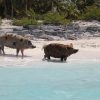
<point>3,50</point>
<point>65,58</point>
<point>48,57</point>
<point>22,52</point>
<point>17,51</point>
<point>62,58</point>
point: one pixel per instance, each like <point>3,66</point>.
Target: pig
<point>58,51</point>
<point>16,42</point>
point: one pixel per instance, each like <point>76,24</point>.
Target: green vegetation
<point>92,13</point>
<point>50,11</point>
<point>54,18</point>
<point>24,21</point>
<point>48,18</point>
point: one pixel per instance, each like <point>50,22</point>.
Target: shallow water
<point>51,81</point>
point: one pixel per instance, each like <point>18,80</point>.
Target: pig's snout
<point>75,50</point>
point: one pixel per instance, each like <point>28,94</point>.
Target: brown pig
<point>59,51</point>
<point>15,41</point>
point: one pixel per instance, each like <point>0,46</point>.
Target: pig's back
<point>12,41</point>
<point>55,50</point>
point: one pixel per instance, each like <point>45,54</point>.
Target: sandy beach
<point>88,52</point>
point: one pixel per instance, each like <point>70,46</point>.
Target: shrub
<point>24,21</point>
<point>92,13</point>
<point>54,18</point>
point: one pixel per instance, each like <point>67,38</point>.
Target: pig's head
<point>71,50</point>
<point>28,44</point>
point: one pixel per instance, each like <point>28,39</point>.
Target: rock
<point>31,37</point>
<point>23,32</point>
<point>49,37</point>
<point>18,29</point>
<point>75,30</point>
<point>31,27</point>
<point>93,29</point>
<point>36,32</point>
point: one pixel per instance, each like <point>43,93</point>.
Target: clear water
<point>51,81</point>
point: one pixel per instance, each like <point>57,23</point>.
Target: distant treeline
<point>19,8</point>
<point>50,11</point>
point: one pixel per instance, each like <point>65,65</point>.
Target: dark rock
<point>31,27</point>
<point>93,28</point>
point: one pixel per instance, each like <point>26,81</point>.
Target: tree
<point>71,11</point>
<point>12,8</point>
<point>89,2</point>
<point>5,8</point>
<point>81,5</point>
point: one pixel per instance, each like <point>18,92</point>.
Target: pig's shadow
<point>54,60</point>
<point>14,56</point>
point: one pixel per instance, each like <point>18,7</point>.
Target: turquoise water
<point>51,81</point>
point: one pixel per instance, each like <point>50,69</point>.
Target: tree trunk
<point>26,6</point>
<point>5,9</point>
<point>12,9</point>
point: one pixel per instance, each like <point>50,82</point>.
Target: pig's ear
<point>71,45</point>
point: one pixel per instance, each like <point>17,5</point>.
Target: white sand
<point>89,50</point>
